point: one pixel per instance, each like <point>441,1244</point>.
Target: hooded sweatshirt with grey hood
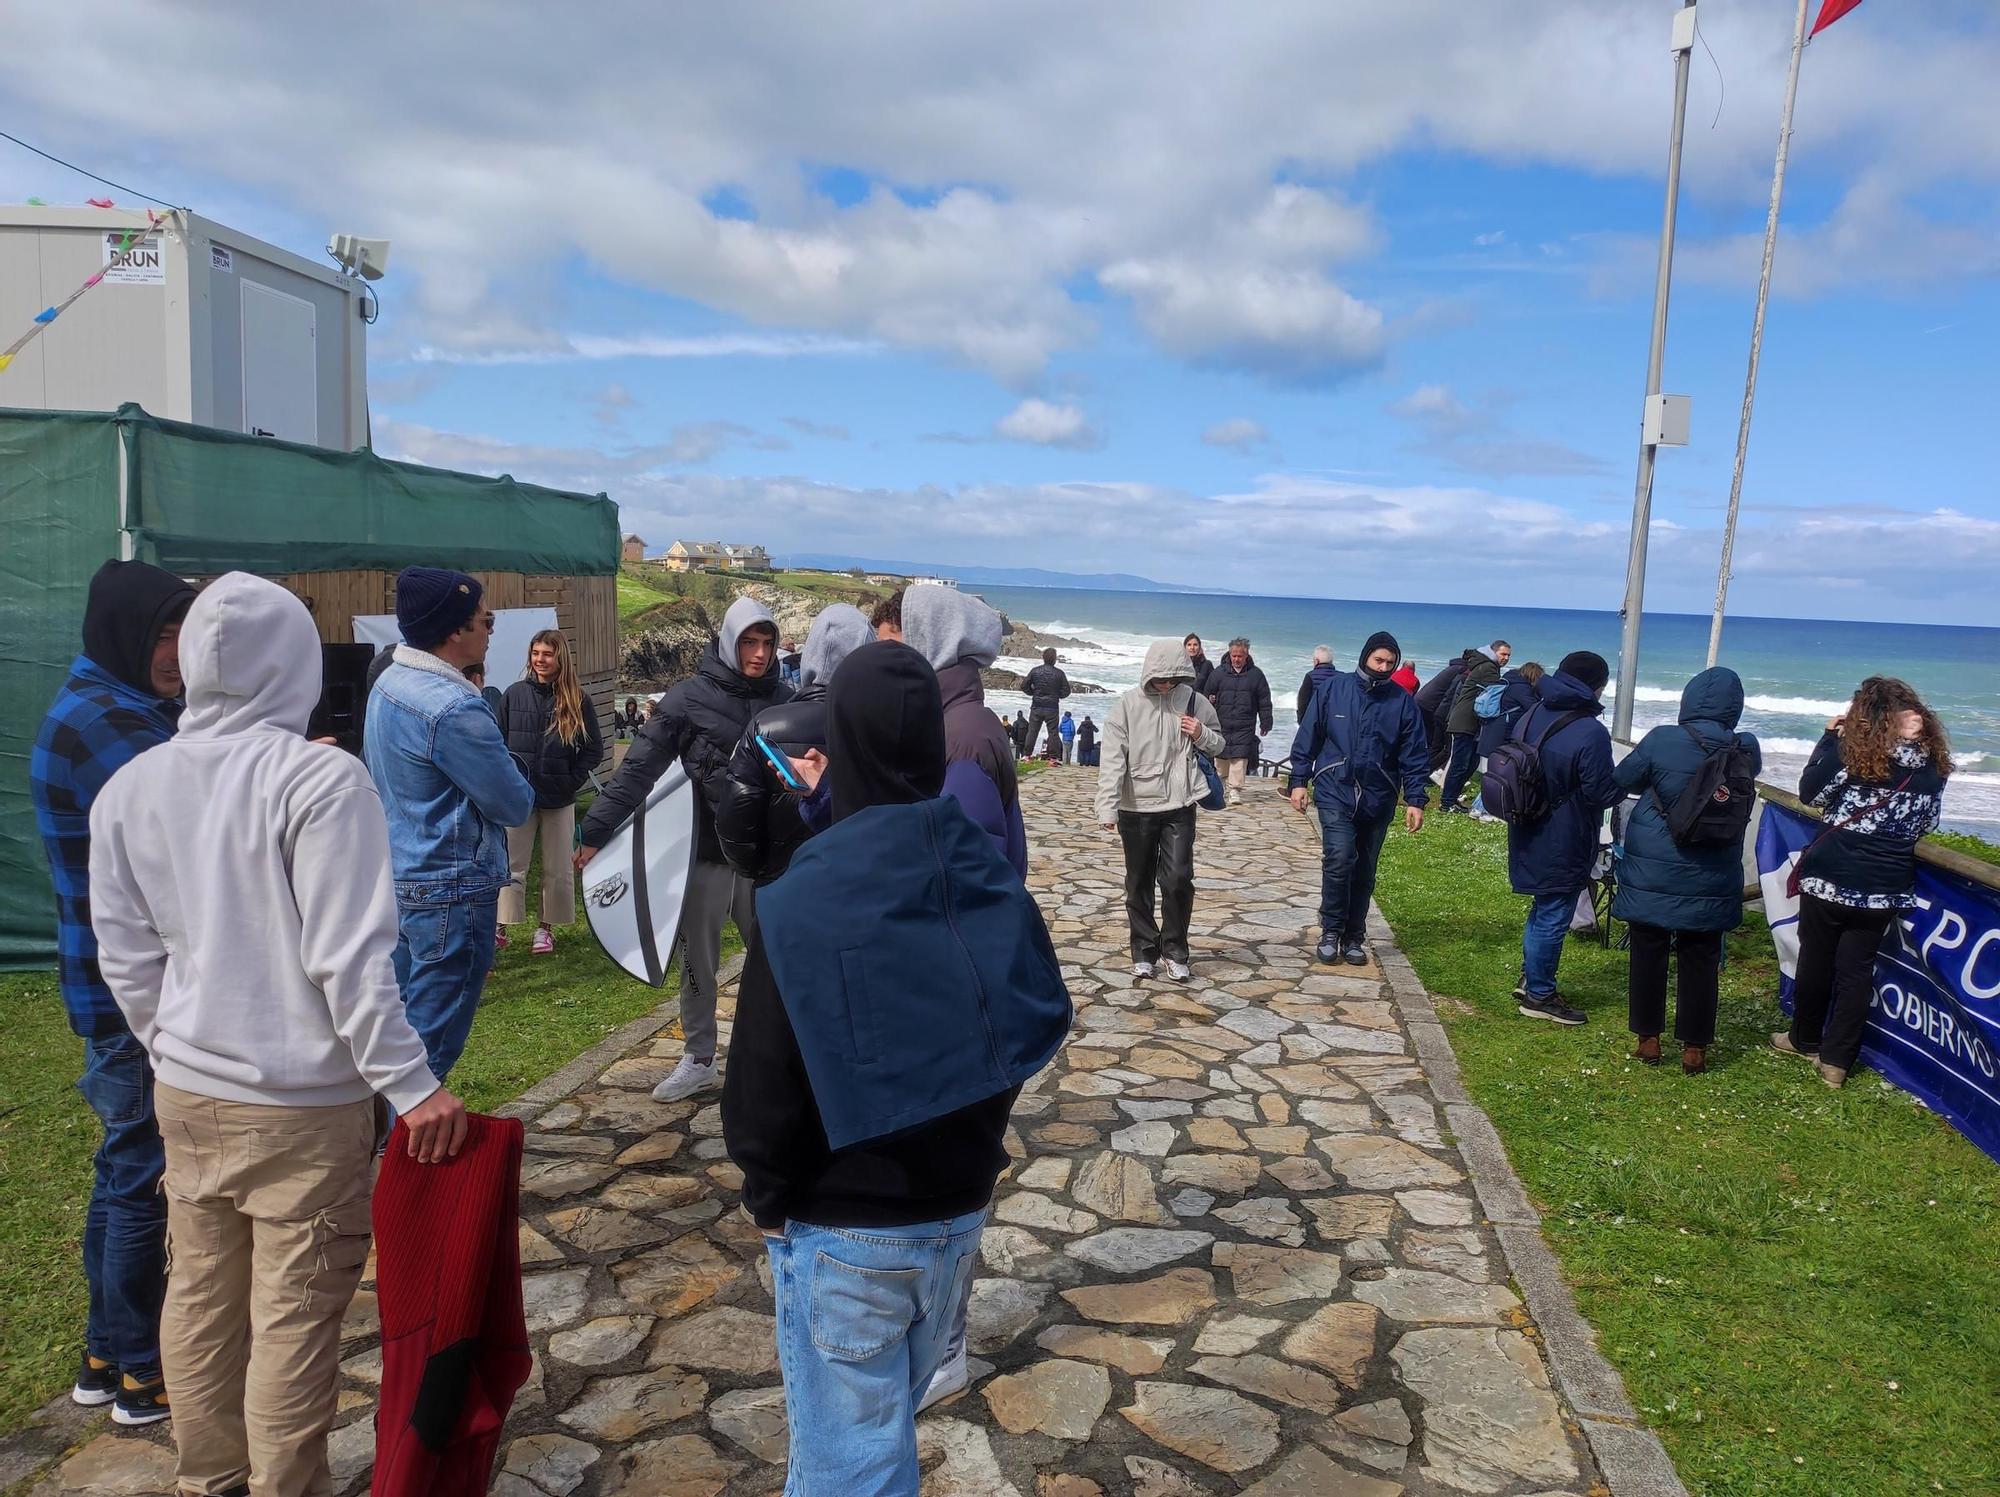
<point>240,884</point>
<point>697,722</point>
<point>1146,763</point>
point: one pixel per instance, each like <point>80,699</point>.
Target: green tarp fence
<point>200,502</point>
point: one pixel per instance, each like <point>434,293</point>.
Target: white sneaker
<point>1234,798</point>
<point>689,1077</point>
<point>1142,969</point>
<point>950,1378</point>
<point>1178,971</point>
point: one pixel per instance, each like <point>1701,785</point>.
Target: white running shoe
<point>689,1077</point>
<point>1142,969</point>
<point>1178,971</point>
<point>950,1378</point>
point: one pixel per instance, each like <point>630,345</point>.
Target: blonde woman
<point>551,728</point>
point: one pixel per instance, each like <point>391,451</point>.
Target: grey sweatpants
<point>715,893</point>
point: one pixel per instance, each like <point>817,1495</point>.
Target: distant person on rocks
<point>1878,775</point>
<point>241,891</point>
<point>121,699</point>
<point>1203,666</point>
<point>869,1134</point>
<point>1361,741</point>
<point>1147,787</point>
<point>699,723</point>
<point>1683,894</point>
<point>1068,730</point>
<point>887,618</point>
<point>1435,699</point>
<point>1406,677</point>
<point>960,635</point>
<point>451,791</point>
<point>1242,700</point>
<point>1322,668</point>
<point>1482,669</point>
<point>1086,743</point>
<point>551,729</point>
<point>757,819</point>
<point>1549,859</point>
<point>1046,686</point>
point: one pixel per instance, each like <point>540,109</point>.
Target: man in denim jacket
<point>451,790</point>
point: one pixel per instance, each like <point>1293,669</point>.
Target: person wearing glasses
<point>450,790</point>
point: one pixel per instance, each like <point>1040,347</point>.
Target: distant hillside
<point>1110,582</point>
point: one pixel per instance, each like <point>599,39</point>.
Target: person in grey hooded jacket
<point>698,722</point>
<point>1147,786</point>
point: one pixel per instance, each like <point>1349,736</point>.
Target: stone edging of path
<point>1633,1461</point>
<point>56,1428</point>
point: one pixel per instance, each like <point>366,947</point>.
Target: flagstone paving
<point>1235,1251</point>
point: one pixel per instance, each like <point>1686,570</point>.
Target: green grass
<point>636,596</point>
<point>1798,1285</point>
<point>538,1014</point>
<point>1971,846</point>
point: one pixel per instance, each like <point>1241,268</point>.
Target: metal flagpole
<point>1642,499</point>
<point>1756,338</point>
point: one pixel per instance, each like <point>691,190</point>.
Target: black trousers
<point>1159,850</point>
<point>1836,977</point>
<point>1464,752</point>
<point>1700,972</point>
<point>1054,745</point>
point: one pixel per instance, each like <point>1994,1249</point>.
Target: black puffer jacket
<point>558,770</point>
<point>757,820</point>
<point>1242,704</point>
<point>1046,686</point>
<point>697,722</point>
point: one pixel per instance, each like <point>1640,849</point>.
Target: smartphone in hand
<point>780,766</point>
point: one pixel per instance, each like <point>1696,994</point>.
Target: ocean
<point>1796,672</point>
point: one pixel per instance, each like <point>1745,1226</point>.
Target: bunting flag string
<point>49,314</point>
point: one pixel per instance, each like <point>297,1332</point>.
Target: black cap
<point>1586,666</point>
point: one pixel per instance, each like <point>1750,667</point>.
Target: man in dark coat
<point>1046,686</point>
<point>1482,669</point>
<point>1677,897</point>
<point>1203,666</point>
<point>699,723</point>
<point>1086,743</point>
<point>1242,699</point>
<point>1550,859</point>
<point>1435,699</point>
<point>1322,667</point>
<point>1361,742</point>
<point>121,698</point>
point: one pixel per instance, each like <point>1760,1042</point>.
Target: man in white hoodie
<point>246,923</point>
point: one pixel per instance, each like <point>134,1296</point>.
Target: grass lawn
<point>636,596</point>
<point>539,1013</point>
<point>1801,1287</point>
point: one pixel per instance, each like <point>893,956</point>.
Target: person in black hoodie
<point>757,821</point>
<point>1482,669</point>
<point>1878,775</point>
<point>1203,666</point>
<point>698,722</point>
<point>1242,699</point>
<point>1435,699</point>
<point>867,1120</point>
<point>551,730</point>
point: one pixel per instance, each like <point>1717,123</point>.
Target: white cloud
<point>585,348</point>
<point>1478,441</point>
<point>608,406</point>
<point>1496,236</point>
<point>1045,425</point>
<point>1239,433</point>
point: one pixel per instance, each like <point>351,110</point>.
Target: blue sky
<point>1276,300</point>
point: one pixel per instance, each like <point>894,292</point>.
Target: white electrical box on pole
<point>1642,498</point>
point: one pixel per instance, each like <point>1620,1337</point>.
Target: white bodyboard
<point>633,890</point>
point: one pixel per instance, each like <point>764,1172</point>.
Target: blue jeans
<point>1542,941</point>
<point>125,1229</point>
<point>864,1314</point>
<point>442,957</point>
<point>1349,850</point>
<point>1464,753</point>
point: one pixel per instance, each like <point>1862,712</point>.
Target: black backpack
<point>1714,808</point>
<point>1512,787</point>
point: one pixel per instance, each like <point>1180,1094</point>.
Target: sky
<point>1289,298</point>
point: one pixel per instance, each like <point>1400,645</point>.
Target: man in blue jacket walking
<point>451,790</point>
<point>1360,737</point>
<point>1549,859</point>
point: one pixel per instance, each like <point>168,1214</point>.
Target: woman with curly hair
<point>1878,776</point>
<point>551,728</point>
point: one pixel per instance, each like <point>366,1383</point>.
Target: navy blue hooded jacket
<point>1553,855</point>
<point>1358,742</point>
<point>1661,882</point>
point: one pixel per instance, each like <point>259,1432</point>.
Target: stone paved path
<point>1236,1251</point>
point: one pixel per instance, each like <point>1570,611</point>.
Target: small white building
<point>192,320</point>
<point>934,581</point>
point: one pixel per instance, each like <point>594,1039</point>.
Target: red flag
<point>1830,12</point>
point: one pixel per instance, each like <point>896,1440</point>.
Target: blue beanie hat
<point>434,603</point>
